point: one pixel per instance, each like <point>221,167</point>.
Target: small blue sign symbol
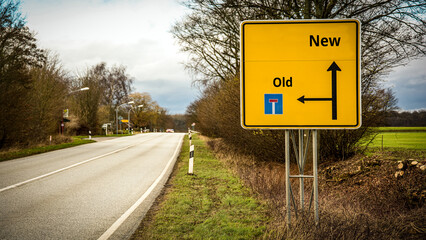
<point>273,104</point>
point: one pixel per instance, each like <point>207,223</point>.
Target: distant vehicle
<point>170,130</point>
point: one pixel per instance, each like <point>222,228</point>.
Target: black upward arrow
<point>333,68</point>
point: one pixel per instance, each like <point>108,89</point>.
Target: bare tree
<point>109,87</point>
<point>115,83</point>
<point>393,32</point>
<point>47,98</point>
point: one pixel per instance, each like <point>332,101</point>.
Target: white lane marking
<point>66,168</point>
<point>129,211</point>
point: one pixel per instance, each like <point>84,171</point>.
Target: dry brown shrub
<point>58,139</point>
<point>358,198</point>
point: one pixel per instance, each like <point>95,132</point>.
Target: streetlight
<point>128,118</point>
<point>79,90</point>
<point>139,106</point>
<point>128,115</point>
<point>116,112</point>
<point>74,91</point>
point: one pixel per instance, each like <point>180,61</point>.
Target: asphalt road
<point>95,191</point>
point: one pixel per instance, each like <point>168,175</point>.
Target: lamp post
<point>116,112</point>
<point>128,119</point>
<point>158,119</point>
<point>128,116</point>
<point>79,90</point>
<point>139,106</point>
<point>74,91</point>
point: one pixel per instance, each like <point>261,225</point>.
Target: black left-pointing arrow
<point>333,68</point>
<point>302,99</point>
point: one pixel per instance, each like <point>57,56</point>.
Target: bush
<point>58,139</point>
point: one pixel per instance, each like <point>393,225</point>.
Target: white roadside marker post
<point>191,160</point>
<point>191,154</point>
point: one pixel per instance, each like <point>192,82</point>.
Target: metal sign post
<point>301,153</point>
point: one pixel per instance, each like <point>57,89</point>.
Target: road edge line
<point>110,231</point>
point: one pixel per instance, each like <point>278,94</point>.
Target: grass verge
<point>211,204</point>
<point>18,153</point>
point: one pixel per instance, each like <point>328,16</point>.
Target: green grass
<point>406,140</point>
<point>401,129</point>
<point>211,204</point>
<point>399,138</point>
<point>36,150</point>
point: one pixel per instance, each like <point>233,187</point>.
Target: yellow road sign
<point>65,113</point>
<point>300,74</point>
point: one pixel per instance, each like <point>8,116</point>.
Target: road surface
<point>95,191</point>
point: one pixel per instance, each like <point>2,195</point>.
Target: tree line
<point>39,98</point>
<point>406,118</point>
<point>392,33</point>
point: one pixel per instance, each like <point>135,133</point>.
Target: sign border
<point>303,21</point>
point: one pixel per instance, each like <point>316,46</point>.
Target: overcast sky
<point>136,34</point>
<point>409,84</point>
<point>133,33</point>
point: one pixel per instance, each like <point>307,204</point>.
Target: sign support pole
<point>301,153</point>
<point>315,172</point>
<point>301,170</point>
<point>287,177</point>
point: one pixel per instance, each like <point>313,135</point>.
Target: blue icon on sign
<point>273,104</point>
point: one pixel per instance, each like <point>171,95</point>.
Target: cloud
<point>133,33</point>
<point>173,95</point>
<point>409,84</point>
